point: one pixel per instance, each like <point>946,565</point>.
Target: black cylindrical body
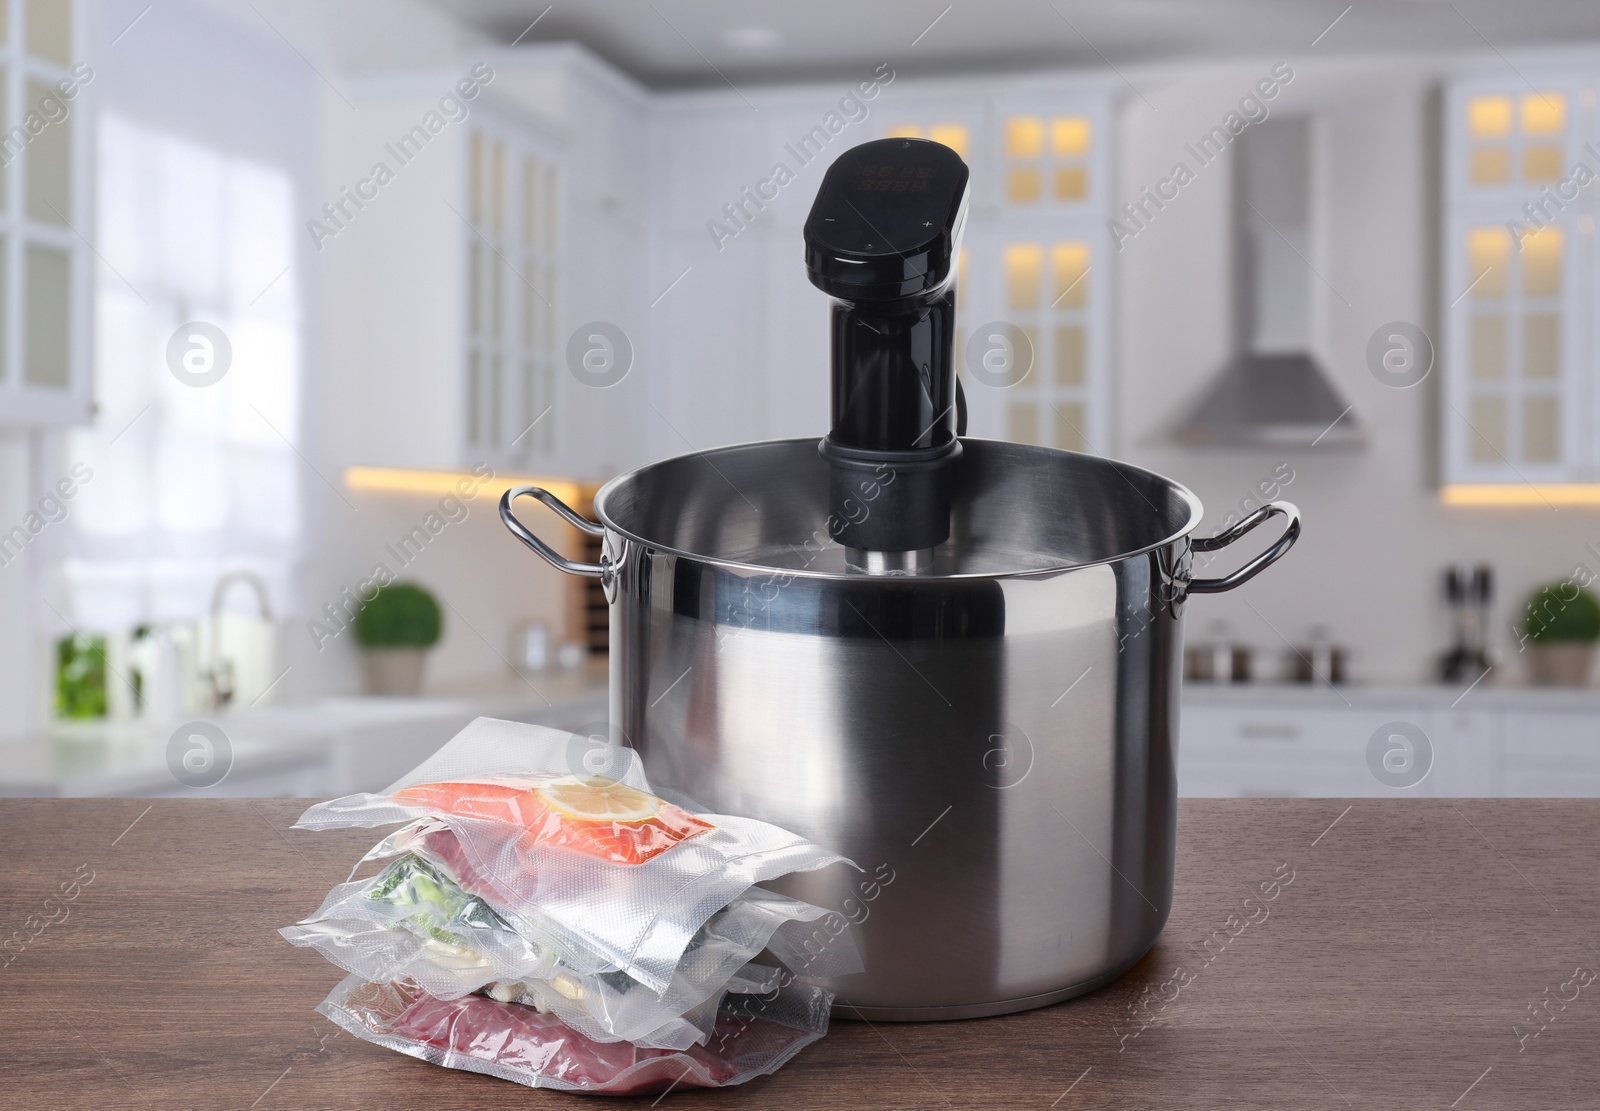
<point>894,374</point>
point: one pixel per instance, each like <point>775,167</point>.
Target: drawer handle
<point>1269,732</point>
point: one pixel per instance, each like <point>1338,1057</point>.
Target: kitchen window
<point>188,480</point>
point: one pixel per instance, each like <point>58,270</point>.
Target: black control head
<point>887,221</point>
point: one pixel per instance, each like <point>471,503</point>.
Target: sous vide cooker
<point>954,660</point>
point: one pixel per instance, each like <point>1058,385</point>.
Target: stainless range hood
<point>1272,393</point>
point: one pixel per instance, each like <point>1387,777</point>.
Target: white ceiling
<point>709,43</point>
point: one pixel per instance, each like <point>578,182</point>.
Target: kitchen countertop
<point>130,757</point>
<point>1395,968</point>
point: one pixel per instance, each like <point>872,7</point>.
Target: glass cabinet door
<point>511,250</point>
<point>1518,356</point>
<point>45,221</point>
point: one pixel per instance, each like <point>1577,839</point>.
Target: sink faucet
<point>218,676</point>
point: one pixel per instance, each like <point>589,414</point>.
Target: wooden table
<point>1396,968</point>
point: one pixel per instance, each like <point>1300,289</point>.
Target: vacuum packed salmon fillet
<point>601,817</point>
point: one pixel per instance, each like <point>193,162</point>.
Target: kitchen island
<point>1320,954</point>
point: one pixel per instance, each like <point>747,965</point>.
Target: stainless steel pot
<point>993,741</point>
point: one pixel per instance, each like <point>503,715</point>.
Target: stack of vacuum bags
<point>563,929</point>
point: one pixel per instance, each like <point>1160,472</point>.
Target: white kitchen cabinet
<point>45,215</point>
<point>702,154</point>
<point>1554,754</point>
<point>1519,355</point>
<point>795,345</point>
<point>1468,753</point>
<point>1281,751</point>
<point>1281,740</point>
<point>469,272</point>
<point>706,332</point>
<point>602,379</point>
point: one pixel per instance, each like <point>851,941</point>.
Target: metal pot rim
<point>602,495</point>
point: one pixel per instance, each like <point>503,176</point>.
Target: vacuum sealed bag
<point>809,940</point>
<point>415,921</point>
<point>753,1035</point>
<point>623,873</point>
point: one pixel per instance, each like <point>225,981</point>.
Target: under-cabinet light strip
<point>461,483</point>
<point>1522,494</point>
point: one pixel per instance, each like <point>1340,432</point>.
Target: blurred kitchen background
<point>293,290</point>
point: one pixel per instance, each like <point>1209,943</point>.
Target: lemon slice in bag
<point>594,799</point>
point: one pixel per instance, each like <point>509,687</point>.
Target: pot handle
<point>566,513</point>
<point>1291,533</point>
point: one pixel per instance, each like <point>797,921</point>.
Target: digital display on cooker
<point>887,178</point>
<point>880,210</point>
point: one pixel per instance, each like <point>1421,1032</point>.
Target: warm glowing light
<point>952,135</point>
<point>1491,165</point>
<point>461,483</point>
<point>1023,186</point>
<point>1489,116</point>
<point>1544,113</point>
<point>1070,262</point>
<point>1024,268</point>
<point>1488,260</point>
<point>1024,137</point>
<point>1071,135</point>
<point>1541,262</point>
<point>1522,494</point>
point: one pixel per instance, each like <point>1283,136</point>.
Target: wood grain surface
<point>1398,967</point>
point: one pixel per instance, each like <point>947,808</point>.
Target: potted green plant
<point>1562,624</point>
<point>396,628</point>
<point>81,676</point>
